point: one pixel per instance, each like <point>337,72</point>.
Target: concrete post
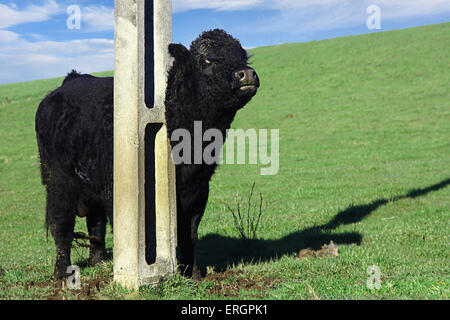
<point>144,174</point>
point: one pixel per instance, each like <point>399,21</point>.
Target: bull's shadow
<point>219,251</point>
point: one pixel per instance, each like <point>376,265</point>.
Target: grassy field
<point>364,161</point>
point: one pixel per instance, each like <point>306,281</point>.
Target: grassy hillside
<point>364,161</point>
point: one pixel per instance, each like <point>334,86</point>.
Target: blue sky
<point>35,42</point>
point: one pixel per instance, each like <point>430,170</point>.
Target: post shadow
<point>220,251</point>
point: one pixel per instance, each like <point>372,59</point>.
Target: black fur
<point>74,127</point>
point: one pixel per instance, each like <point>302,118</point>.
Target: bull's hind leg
<point>96,224</point>
<point>60,218</point>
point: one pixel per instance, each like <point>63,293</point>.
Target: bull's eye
<point>207,61</point>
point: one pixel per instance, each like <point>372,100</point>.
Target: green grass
<point>364,161</point>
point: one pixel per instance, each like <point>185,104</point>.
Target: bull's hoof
<point>61,264</point>
<point>196,275</point>
<point>60,272</point>
<point>193,273</point>
<point>97,256</point>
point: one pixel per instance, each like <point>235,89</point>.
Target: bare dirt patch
<point>89,290</point>
<point>327,250</point>
<point>232,283</point>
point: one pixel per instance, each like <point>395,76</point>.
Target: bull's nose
<point>247,76</point>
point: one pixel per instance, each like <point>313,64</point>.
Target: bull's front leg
<point>187,240</point>
<point>192,196</point>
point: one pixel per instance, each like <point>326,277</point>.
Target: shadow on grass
<point>219,251</point>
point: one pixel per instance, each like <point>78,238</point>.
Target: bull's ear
<point>183,75</point>
<point>179,52</point>
<point>184,61</point>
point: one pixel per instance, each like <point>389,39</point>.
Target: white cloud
<point>410,8</point>
<point>97,18</point>
<point>64,48</point>
<point>8,36</point>
<point>328,15</point>
<point>24,60</point>
<point>10,15</point>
